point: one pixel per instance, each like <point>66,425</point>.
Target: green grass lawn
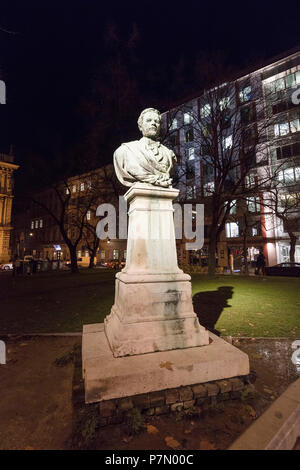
<point>61,302</point>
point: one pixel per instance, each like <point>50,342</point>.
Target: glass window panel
<point>205,110</point>
<point>290,80</point>
<point>295,125</point>
<point>289,175</point>
<point>276,130</point>
<point>279,84</point>
<point>174,124</point>
<point>298,77</point>
<point>191,154</point>
<point>297,173</point>
<point>284,128</point>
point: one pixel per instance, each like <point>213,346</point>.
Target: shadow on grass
<point>209,306</point>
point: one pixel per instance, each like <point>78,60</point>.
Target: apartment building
<point>7,167</point>
<point>74,201</point>
<point>256,115</point>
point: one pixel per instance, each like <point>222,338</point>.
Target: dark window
<point>190,169</point>
<point>247,114</point>
<point>189,135</point>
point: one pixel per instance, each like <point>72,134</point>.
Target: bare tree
<point>222,141</point>
<point>70,202</point>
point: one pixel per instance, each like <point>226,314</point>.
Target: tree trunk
<point>74,265</point>
<point>245,253</point>
<point>212,256</point>
<point>293,239</point>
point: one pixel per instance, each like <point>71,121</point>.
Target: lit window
<point>36,224</point>
<point>224,103</point>
<point>254,231</point>
<point>279,84</point>
<point>187,118</point>
<point>289,175</point>
<point>88,215</point>
<point>245,94</point>
<point>115,254</point>
<point>74,188</point>
<point>81,186</point>
<point>191,153</point>
<point>227,142</point>
<point>190,192</point>
<point>32,224</point>
<point>209,188</point>
<point>79,254</point>
<point>67,191</point>
<point>86,253</point>
<point>285,128</point>
<point>41,223</point>
<point>173,124</point>
<point>231,229</point>
<point>205,110</point>
<point>253,204</point>
<point>233,207</point>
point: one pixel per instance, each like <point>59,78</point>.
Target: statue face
<point>150,126</point>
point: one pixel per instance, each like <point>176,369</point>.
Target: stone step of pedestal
<point>107,377</point>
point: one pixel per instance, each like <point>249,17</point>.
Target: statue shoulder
<point>125,146</point>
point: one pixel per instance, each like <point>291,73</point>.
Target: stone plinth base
<point>107,377</point>
<point>153,313</point>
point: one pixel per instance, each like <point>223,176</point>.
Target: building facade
<point>264,123</point>
<point>7,167</point>
<point>75,201</point>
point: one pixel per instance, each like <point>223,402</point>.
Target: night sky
<point>63,64</point>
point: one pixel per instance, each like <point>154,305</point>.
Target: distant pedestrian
<point>260,264</point>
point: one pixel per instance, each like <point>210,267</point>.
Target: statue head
<point>149,123</point>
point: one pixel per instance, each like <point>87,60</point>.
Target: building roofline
<point>268,64</point>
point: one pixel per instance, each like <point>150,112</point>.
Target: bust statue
<point>145,160</point>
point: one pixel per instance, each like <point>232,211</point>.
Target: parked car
<point>283,269</point>
<point>6,266</point>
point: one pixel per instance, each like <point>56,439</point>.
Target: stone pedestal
<point>153,308</point>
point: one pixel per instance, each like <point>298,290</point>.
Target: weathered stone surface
<point>185,393</point>
<point>153,309</point>
<point>188,404</point>
<point>162,410</point>
<point>172,396</point>
<point>223,396</point>
<point>176,406</point>
<point>235,395</point>
<point>107,408</point>
<point>141,401</point>
<point>105,376</point>
<point>212,389</point>
<point>237,384</point>
<point>103,421</point>
<point>118,418</point>
<point>225,386</point>
<point>199,391</point>
<point>157,399</point>
<point>202,400</point>
<point>125,404</point>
